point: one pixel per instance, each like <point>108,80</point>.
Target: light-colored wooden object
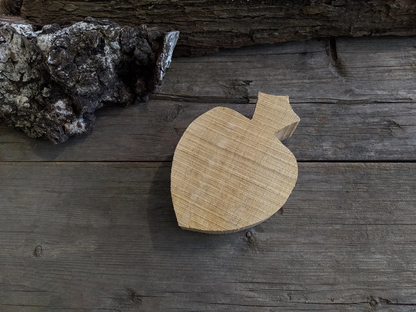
<point>229,172</point>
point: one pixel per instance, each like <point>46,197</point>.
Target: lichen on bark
<point>53,79</point>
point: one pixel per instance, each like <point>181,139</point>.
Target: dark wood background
<point>89,225</point>
<point>208,25</point>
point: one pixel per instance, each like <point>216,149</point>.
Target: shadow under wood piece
<point>229,172</point>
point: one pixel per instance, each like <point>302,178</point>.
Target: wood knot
<point>133,296</point>
<point>38,251</point>
<point>250,238</point>
<point>372,302</point>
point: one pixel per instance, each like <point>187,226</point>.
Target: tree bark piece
<point>208,25</point>
<point>52,80</point>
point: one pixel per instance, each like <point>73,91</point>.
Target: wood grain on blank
<point>229,172</point>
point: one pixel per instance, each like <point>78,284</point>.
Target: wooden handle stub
<point>230,172</point>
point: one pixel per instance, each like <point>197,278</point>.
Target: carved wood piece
<point>229,172</point>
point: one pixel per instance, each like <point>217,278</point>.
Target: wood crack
<point>335,64</point>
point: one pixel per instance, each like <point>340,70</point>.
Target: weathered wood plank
<point>207,25</point>
<point>361,71</point>
<point>150,132</point>
<point>337,71</point>
<point>103,237</point>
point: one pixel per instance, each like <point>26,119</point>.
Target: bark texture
<point>52,80</point>
<point>208,25</point>
<point>10,7</point>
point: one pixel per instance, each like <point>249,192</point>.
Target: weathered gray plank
<point>150,132</point>
<point>349,71</point>
<point>103,237</point>
<point>345,70</point>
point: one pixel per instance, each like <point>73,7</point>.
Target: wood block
<point>229,172</point>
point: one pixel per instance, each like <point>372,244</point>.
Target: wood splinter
<point>230,173</point>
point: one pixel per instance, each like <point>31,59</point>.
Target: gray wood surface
<point>103,237</point>
<point>150,132</point>
<point>89,225</point>
<point>348,70</point>
<point>344,115</point>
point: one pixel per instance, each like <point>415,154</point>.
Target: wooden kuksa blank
<point>230,172</point>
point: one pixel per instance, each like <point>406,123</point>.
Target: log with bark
<point>10,7</point>
<point>53,79</point>
<point>208,25</point>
